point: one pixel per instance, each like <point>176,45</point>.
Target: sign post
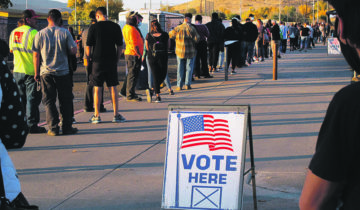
<point>205,157</point>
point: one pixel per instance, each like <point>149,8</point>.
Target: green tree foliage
<point>192,11</point>
<point>5,4</point>
<point>83,8</point>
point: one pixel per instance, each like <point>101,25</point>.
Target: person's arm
<point>319,193</point>
<point>118,52</point>
<point>36,60</point>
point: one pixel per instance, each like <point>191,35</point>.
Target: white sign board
<point>334,46</point>
<point>205,158</point>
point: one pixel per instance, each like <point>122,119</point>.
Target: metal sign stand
<point>239,108</point>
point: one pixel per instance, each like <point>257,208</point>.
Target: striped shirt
<point>186,37</point>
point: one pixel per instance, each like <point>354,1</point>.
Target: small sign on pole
<point>334,46</point>
<point>205,158</point>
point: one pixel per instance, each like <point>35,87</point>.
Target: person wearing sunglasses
<point>332,181</point>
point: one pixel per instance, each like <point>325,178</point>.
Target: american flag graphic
<point>206,130</point>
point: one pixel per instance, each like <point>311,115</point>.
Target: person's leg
<point>216,55</point>
<point>114,100</point>
<point>250,49</point>
<point>150,76</point>
<point>97,98</point>
<point>188,74</point>
<point>49,92</point>
<point>89,97</point>
<point>180,71</point>
<point>211,55</point>
<point>20,81</point>
<point>133,65</point>
<point>202,56</point>
<point>64,89</point>
<point>33,102</point>
<point>197,66</point>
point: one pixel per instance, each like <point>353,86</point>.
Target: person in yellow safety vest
<point>21,41</point>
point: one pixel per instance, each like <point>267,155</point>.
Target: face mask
<point>139,24</point>
<point>351,56</point>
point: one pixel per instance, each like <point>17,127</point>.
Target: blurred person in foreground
<point>332,181</point>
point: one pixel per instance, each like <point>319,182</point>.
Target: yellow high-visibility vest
<point>20,42</point>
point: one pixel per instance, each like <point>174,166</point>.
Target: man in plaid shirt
<point>186,37</point>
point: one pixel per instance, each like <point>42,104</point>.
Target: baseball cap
<point>29,13</point>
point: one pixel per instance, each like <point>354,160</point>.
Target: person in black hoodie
<point>232,41</point>
<point>250,36</point>
<point>215,40</point>
<point>275,38</point>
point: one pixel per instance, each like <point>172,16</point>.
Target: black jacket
<point>250,32</point>
<point>275,32</point>
<point>216,29</point>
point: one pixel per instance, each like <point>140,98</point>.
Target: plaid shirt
<point>186,37</point>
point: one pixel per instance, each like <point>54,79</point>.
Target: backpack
<point>158,48</point>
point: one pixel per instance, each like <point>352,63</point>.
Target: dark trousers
<point>233,55</point>
<point>283,45</point>
<point>30,97</point>
<point>158,67</point>
<point>214,49</point>
<point>133,64</point>
<point>292,44</point>
<point>201,65</point>
<point>89,95</point>
<point>57,87</point>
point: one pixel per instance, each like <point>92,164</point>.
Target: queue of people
<point>39,65</point>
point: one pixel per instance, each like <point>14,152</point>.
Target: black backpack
<point>158,48</point>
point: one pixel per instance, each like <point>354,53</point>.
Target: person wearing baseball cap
<point>21,41</point>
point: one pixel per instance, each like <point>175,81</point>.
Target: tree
<point>192,11</point>
<point>84,7</point>
<point>5,4</point>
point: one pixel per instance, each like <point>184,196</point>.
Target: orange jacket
<point>132,39</point>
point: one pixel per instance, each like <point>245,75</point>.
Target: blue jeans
<point>151,80</point>
<point>30,97</point>
<point>221,59</point>
<point>304,42</point>
<point>247,50</point>
<point>184,71</point>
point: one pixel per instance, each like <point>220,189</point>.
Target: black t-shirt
<point>305,31</point>
<point>275,32</point>
<point>337,156</point>
<point>103,36</point>
<point>163,38</point>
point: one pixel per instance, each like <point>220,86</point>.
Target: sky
<point>138,4</point>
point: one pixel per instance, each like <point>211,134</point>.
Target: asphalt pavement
<point>120,165</point>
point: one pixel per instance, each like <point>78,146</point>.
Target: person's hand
<point>37,77</point>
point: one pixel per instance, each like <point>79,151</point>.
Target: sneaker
<point>95,120</point>
<point>208,76</point>
<point>134,99</point>
<point>37,129</point>
<point>69,131</point>
<point>88,109</point>
<point>158,99</point>
<point>233,72</point>
<point>171,92</point>
<point>53,133</point>
<point>148,95</point>
<point>73,120</point>
<point>188,87</point>
<point>102,109</point>
<point>122,95</point>
<point>179,88</point>
<point>118,118</point>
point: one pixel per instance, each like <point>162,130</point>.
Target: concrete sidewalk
<point>120,166</point>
